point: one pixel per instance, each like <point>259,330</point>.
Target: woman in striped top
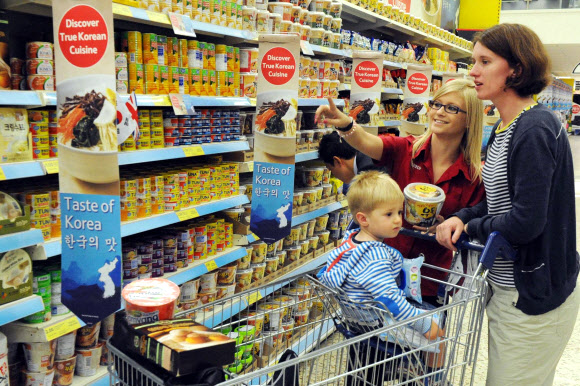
<point>529,184</point>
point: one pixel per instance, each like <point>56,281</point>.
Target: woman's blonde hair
<point>471,142</point>
<point>371,189</point>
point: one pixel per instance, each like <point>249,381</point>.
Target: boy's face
<point>385,221</point>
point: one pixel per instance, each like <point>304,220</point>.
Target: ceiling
<point>565,57</point>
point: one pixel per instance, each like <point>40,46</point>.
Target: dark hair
<point>331,145</point>
<point>524,52</point>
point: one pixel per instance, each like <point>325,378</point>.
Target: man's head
<point>376,203</point>
<point>338,156</point>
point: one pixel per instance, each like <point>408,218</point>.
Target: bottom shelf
<point>101,378</point>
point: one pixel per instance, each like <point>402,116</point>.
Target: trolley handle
<point>496,245</point>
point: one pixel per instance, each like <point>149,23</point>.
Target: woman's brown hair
<point>524,52</point>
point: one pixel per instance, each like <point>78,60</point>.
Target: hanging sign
<point>416,100</point>
<point>275,136</point>
<point>366,86</point>
<point>449,76</point>
<point>575,117</point>
<point>182,24</point>
<point>88,164</point>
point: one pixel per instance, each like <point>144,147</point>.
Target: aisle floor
<point>568,371</point>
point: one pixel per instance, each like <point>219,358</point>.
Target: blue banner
<point>91,255</point>
<point>272,195</point>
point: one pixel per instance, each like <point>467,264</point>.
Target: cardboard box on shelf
<point>15,276</point>
<point>302,148</point>
<point>239,156</point>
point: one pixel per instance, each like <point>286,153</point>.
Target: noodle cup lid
<point>151,292</point>
<point>244,271</point>
<point>420,191</point>
<point>293,291</point>
<point>268,306</point>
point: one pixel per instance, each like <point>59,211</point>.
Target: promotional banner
<point>275,136</point>
<point>575,117</point>
<point>428,10</point>
<point>366,87</point>
<point>416,100</point>
<point>88,164</point>
<point>490,117</point>
<point>449,76</point>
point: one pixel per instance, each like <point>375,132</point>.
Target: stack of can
<point>130,264</point>
<point>39,202</point>
<point>122,72</point>
<point>52,133</point>
<point>131,43</point>
<point>200,241</point>
<point>169,253</point>
<point>55,230</point>
<point>144,141</point>
<point>183,246</point>
<point>157,194</point>
<point>145,260</point>
<point>157,136</point>
<point>56,306</point>
<point>171,196</point>
<point>17,74</point>
<point>212,236</point>
<point>38,124</point>
<point>151,5</point>
<point>40,66</point>
<point>128,199</point>
<point>183,188</point>
<point>143,197</point>
<point>41,287</point>
<point>157,261</point>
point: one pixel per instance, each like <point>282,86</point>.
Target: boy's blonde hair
<point>370,189</point>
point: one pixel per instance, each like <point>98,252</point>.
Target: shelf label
<point>192,151</point>
<point>50,166</point>
<point>158,17</point>
<point>326,50</point>
<point>344,203</point>
<point>251,166</point>
<point>160,100</point>
<point>62,328</point>
<point>306,47</point>
<point>254,297</point>
<point>123,10</point>
<point>2,175</point>
<point>181,24</point>
<point>211,265</point>
<point>182,104</point>
<point>187,214</point>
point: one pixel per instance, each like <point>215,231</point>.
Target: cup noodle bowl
<point>150,299</point>
<point>423,202</point>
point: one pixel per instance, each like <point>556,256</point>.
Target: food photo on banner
<point>275,136</point>
<point>365,94</point>
<point>416,100</point>
<point>88,163</point>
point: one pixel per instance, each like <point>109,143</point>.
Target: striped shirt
<point>495,180</point>
<point>367,271</point>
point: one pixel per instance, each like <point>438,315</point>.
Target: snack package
<point>411,278</point>
<point>15,145</point>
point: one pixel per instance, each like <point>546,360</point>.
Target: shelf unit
<point>302,218</point>
<point>41,332</point>
<point>20,240</point>
<point>18,309</point>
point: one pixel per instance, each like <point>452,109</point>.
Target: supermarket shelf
<point>201,267</point>
<point>27,98</point>
<point>302,218</point>
<point>144,100</point>
<point>22,169</point>
<point>391,123</point>
<point>20,308</point>
<point>393,65</point>
<point>20,240</point>
<point>56,327</point>
<point>218,316</point>
<point>243,240</point>
<point>388,90</point>
<point>53,247</point>
<point>101,378</point>
<point>306,156</point>
<point>140,156</point>
<point>437,73</point>
<point>330,51</point>
<point>315,102</point>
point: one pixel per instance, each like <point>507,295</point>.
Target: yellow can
<point>151,73</point>
<point>222,83</point>
<point>129,144</point>
<point>136,72</point>
<point>144,143</point>
<point>212,85</point>
<point>174,80</point>
<point>172,51</point>
<point>195,81</point>
<point>231,80</point>
<point>177,6</point>
<point>162,50</point>
<point>215,7</point>
<point>183,60</point>
<point>157,133</point>
<point>210,56</point>
<point>155,115</point>
<point>204,82</point>
<point>131,41</point>
<point>202,46</point>
<point>149,48</point>
<point>157,143</point>
<point>183,80</point>
<point>136,86</point>
<point>236,89</point>
<point>164,80</point>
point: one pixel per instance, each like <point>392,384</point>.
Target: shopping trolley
<point>370,348</point>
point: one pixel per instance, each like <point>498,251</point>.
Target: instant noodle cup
<point>272,316</point>
<point>297,199</point>
<point>323,237</point>
<point>313,69</point>
<point>88,336</point>
<point>305,66</point>
<point>296,13</point>
<point>258,271</point>
<point>274,338</point>
<point>288,329</point>
<point>208,297</point>
<point>247,332</point>
<point>208,282</point>
<point>301,318</point>
<point>88,361</point>
<point>262,25</point>
<point>189,291</point>
<point>39,356</point>
<point>313,241</point>
<point>303,88</point>
<point>304,246</point>
<point>32,378</point>
<point>283,9</point>
<point>314,175</point>
<point>333,89</point>
<point>335,25</point>
<point>423,202</point>
<point>155,298</point>
<point>327,22</point>
<point>311,226</point>
<point>65,346</point>
<point>314,88</point>
<point>249,84</point>
<point>271,265</point>
<point>318,190</point>
<point>281,256</point>
<point>336,41</point>
<point>293,254</point>
<point>259,251</point>
<point>243,278</point>
<point>64,370</point>
<point>287,304</point>
<point>226,290</point>
<point>272,248</point>
<point>333,219</point>
<point>244,262</point>
<point>275,21</point>
<point>255,319</point>
<point>321,223</point>
<point>285,26</point>
<point>316,35</point>
<point>300,296</point>
<point>293,237</point>
<point>316,21</point>
<point>309,197</point>
<point>324,88</point>
<point>227,274</point>
<point>335,9</point>
<point>249,16</point>
<point>333,70</point>
<point>305,32</point>
<point>326,190</point>
<point>303,231</point>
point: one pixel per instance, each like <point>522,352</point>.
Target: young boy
<point>363,266</point>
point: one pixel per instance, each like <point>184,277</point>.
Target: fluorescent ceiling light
<point>576,69</point>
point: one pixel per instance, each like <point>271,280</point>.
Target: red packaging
<point>150,300</point>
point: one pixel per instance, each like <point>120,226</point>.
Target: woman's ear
<point>361,219</point>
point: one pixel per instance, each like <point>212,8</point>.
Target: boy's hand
<point>434,332</point>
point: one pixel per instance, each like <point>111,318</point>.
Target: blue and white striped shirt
<point>367,272</point>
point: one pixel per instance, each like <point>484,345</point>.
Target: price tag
<point>344,203</point>
<point>158,17</point>
<point>251,166</point>
<point>2,175</point>
<point>50,166</point>
<point>306,47</point>
<point>187,214</point>
<point>123,10</point>
<point>253,102</point>
<point>255,236</point>
<point>211,265</point>
<point>326,50</point>
<point>181,24</point>
<point>254,297</point>
<point>62,328</point>
<point>192,151</point>
<point>161,100</point>
<point>182,104</point>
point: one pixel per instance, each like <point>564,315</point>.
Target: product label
<point>278,66</point>
<point>366,74</point>
<point>418,83</point>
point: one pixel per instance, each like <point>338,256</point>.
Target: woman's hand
<point>332,115</point>
<point>449,231</point>
<point>433,228</point>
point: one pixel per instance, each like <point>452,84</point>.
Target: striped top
<point>366,271</point>
<point>495,180</point>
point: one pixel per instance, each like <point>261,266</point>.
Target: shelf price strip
<point>62,328</point>
<point>187,214</point>
<point>211,265</point>
<point>192,151</point>
<point>50,166</point>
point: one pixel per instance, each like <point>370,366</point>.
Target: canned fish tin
<point>39,50</point>
<point>40,82</point>
<point>121,60</point>
<point>39,67</point>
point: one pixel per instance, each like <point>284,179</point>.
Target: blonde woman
<point>447,155</point>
